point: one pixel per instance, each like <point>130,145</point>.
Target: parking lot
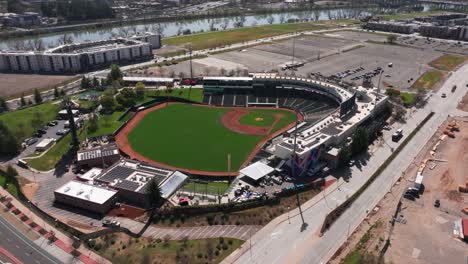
<point>328,54</point>
<point>51,132</point>
<point>452,46</point>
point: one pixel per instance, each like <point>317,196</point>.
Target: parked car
<point>41,131</point>
<point>62,132</point>
<point>53,123</point>
<point>110,223</point>
<point>437,203</point>
<point>31,141</point>
<point>444,95</point>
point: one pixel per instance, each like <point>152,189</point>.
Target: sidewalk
<point>40,226</point>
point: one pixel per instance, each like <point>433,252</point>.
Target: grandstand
<point>311,102</point>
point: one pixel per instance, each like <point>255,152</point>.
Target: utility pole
<point>191,69</point>
<point>293,174</point>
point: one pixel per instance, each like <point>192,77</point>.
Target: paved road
<point>268,245</point>
<point>21,247</point>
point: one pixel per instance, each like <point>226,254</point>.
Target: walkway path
<point>230,231</point>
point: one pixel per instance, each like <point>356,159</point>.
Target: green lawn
<point>227,37</point>
<point>53,156</point>
<point>193,137</point>
<point>447,62</point>
<point>107,124</point>
<point>211,187</point>
<point>196,95</point>
<point>258,118</point>
<point>408,98</point>
<point>428,79</point>
<point>11,188</point>
<point>19,122</point>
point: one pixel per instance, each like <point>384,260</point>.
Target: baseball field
<point>199,138</point>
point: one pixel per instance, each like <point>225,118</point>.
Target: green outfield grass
<point>20,122</point>
<point>193,137</point>
<point>447,62</point>
<point>408,98</point>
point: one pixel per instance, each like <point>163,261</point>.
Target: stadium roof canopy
<point>257,170</point>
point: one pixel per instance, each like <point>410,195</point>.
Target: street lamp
<point>304,224</point>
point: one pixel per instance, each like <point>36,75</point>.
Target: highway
<point>281,242</point>
<point>21,247</point>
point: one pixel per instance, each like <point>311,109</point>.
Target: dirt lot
<point>424,234</point>
<point>13,85</point>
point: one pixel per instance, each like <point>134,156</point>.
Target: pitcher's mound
<point>258,119</point>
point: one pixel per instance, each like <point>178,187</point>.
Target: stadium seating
<point>312,105</point>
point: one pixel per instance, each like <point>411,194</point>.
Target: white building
<point>45,144</point>
<point>72,58</point>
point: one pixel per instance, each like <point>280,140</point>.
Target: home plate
<point>416,253</point>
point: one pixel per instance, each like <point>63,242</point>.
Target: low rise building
<point>130,179</point>
<point>85,196</point>
<point>102,156</point>
<point>81,57</point>
<point>45,144</point>
<point>27,19</point>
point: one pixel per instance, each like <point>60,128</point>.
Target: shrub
<point>225,246</point>
<point>221,240</point>
<point>210,219</point>
<point>217,253</point>
<point>237,222</point>
<point>98,246</point>
<point>158,240</point>
<point>230,242</point>
<point>200,255</point>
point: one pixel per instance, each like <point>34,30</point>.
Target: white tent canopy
<point>257,170</point>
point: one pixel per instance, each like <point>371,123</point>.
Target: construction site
<point>420,218</point>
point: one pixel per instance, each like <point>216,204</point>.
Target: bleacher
<point>228,100</point>
<point>216,99</point>
<point>312,105</point>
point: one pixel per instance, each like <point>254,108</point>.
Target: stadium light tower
<point>293,173</point>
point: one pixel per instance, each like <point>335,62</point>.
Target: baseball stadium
<point>242,120</point>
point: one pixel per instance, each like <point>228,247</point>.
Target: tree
<point>344,156</point>
<point>399,114</point>
<point>22,100</point>
<point>37,96</point>
<point>140,90</point>
<point>11,174</point>
<point>360,141</point>
<point>153,193</point>
<point>93,124</point>
<point>391,39</point>
<point>56,93</point>
<point>115,74</point>
<point>126,97</point>
<point>95,82</point>
<point>8,143</point>
<point>271,20</point>
<point>108,102</point>
<point>85,83</point>
<point>3,105</point>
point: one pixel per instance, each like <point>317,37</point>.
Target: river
<point>197,25</point>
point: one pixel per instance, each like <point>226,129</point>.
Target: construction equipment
<point>449,133</point>
<point>463,189</point>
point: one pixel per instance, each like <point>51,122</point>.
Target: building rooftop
<point>83,191</point>
<point>103,151</point>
